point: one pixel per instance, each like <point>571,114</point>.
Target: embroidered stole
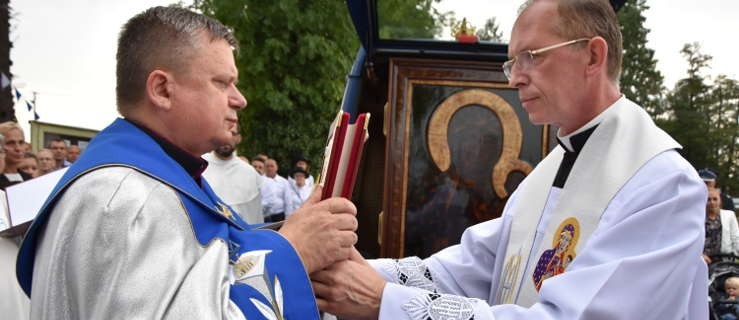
<point>625,139</point>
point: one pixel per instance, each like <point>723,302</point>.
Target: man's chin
<point>536,120</point>
<point>224,152</point>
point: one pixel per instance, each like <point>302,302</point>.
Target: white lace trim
<point>410,272</point>
<point>440,307</point>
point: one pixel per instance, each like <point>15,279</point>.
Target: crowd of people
<point>613,224</point>
<point>22,164</point>
<point>18,163</point>
<point>721,248</point>
<point>253,187</point>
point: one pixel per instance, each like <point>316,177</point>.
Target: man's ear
<point>159,89</point>
<point>598,50</point>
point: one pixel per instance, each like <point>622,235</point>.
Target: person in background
<point>46,162</point>
<point>299,190</point>
<point>13,302</point>
<point>15,149</point>
<point>29,165</point>
<point>710,178</point>
<point>302,162</point>
<point>727,308</point>
<point>235,181</point>
<point>258,164</point>
<point>59,148</point>
<point>275,194</point>
<point>73,152</point>
<point>722,230</point>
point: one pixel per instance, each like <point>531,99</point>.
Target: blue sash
<point>281,277</point>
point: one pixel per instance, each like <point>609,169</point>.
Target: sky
<point>64,51</point>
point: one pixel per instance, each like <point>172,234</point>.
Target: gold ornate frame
<point>404,74</point>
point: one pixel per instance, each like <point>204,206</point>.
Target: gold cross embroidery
<point>224,211</point>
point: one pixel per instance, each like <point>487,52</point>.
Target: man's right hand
<point>322,232</point>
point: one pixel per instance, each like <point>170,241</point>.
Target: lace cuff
<point>440,306</point>
<point>410,272</point>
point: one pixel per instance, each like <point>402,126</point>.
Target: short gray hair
<point>590,18</point>
<point>159,37</point>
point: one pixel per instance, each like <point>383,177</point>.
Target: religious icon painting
<point>554,261</point>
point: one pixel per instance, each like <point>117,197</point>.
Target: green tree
<point>704,118</point>
<point>724,128</point>
<point>689,105</point>
<point>414,19</point>
<point>640,80</point>
<point>293,60</point>
<point>491,31</point>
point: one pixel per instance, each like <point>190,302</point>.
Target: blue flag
<point>28,104</point>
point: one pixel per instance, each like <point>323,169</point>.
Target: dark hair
<point>258,158</point>
<point>160,37</point>
<point>56,140</point>
<point>298,170</point>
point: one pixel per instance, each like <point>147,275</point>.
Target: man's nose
<point>237,100</point>
<point>518,78</point>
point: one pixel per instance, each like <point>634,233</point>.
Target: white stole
<point>625,139</point>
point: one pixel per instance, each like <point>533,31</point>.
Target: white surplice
<point>275,194</point>
<point>238,184</point>
<point>642,260</point>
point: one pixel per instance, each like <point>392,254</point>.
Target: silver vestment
<point>120,245</point>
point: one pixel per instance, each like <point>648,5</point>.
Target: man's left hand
<point>350,288</point>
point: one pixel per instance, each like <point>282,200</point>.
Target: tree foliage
<point>688,104</point>
<point>724,116</point>
<point>491,31</point>
<point>410,19</point>
<point>640,80</point>
<point>699,113</point>
<point>293,60</point>
<point>702,117</point>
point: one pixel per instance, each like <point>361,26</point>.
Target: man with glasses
<point>608,226</point>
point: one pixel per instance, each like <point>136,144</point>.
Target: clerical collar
<point>192,164</point>
<point>575,141</point>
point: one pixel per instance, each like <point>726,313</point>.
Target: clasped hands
<point>323,234</point>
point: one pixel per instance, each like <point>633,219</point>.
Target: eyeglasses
<point>525,59</point>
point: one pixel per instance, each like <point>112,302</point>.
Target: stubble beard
<point>225,151</point>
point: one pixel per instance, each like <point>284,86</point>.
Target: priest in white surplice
<point>608,226</point>
<point>235,181</point>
